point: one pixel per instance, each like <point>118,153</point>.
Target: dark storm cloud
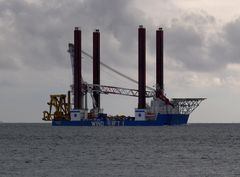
<point>6,84</point>
<point>194,43</point>
<point>232,45</point>
<point>40,32</point>
<point>225,49</point>
<point>36,35</point>
<point>183,43</point>
<point>232,31</point>
<point>187,42</point>
<point>8,64</point>
<point>118,21</point>
<point>32,34</point>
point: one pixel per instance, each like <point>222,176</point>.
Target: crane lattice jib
<point>71,52</point>
<point>186,105</point>
<point>117,90</point>
<point>103,89</point>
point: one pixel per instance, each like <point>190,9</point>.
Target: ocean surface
<point>40,150</point>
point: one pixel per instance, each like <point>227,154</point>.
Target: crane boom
<point>117,90</point>
<point>103,89</point>
<point>71,49</point>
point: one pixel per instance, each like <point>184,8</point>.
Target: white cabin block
<point>75,114</point>
<point>140,114</point>
<point>78,114</point>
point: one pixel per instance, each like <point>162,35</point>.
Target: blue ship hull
<point>162,119</point>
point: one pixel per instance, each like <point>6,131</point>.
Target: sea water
<point>40,150</point>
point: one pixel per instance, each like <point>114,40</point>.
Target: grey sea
<point>40,150</point>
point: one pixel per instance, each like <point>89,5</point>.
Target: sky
<point>201,52</point>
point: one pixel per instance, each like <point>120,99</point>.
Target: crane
<point>103,89</point>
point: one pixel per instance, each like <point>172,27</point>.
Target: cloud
<point>187,42</point>
<point>9,64</point>
<point>6,84</point>
<point>232,45</point>
<point>38,33</point>
<point>34,35</point>
<point>197,43</point>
